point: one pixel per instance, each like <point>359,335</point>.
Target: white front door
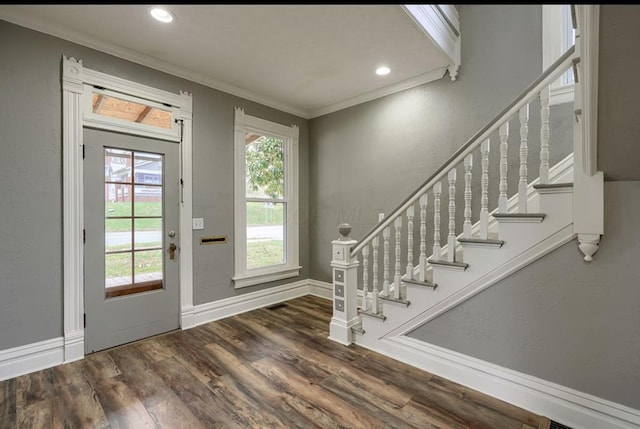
<point>131,206</point>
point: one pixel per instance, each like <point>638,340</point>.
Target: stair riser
<point>557,204</point>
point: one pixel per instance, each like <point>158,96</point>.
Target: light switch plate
<point>198,223</point>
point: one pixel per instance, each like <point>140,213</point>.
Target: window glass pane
<point>117,234</point>
<point>113,107</point>
<point>148,200</point>
<point>117,199</point>
<point>118,269</point>
<point>148,266</point>
<point>148,233</point>
<point>265,234</point>
<point>148,168</point>
<point>117,165</point>
<point>264,166</point>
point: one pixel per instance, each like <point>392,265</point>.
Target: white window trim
<point>244,277</point>
<point>553,35</point>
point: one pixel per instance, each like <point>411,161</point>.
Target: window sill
<point>251,279</point>
<point>561,94</point>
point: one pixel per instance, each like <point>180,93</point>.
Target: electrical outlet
<point>198,223</point>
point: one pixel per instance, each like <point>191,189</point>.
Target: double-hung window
<point>266,200</point>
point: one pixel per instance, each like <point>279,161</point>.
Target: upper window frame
<point>243,276</point>
<point>556,24</point>
<point>113,86</point>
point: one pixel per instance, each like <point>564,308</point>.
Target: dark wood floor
<point>269,368</point>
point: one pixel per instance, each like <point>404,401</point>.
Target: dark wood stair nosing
<point>445,263</point>
<point>481,242</point>
<point>534,217</point>
<point>420,283</point>
<point>390,298</point>
<point>376,315</point>
<point>358,329</point>
<point>553,185</point>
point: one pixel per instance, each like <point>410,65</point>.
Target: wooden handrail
<point>550,75</point>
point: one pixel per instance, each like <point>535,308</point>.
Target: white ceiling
<point>304,59</point>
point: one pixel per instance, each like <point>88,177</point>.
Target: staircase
<point>388,284</point>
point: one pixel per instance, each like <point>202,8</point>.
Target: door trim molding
<point>74,76</point>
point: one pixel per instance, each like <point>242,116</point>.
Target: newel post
<point>588,192</point>
<point>345,288</point>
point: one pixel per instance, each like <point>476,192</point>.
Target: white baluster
<point>451,239</point>
<point>484,200</point>
<point>374,294</point>
<point>397,275</point>
<point>504,163</point>
<point>544,135</point>
<point>386,233</point>
<point>423,238</point>
<point>468,165</point>
<point>365,278</point>
<point>524,152</point>
<point>437,190</point>
<point>409,213</point>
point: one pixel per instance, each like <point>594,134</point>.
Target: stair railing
<point>346,251</point>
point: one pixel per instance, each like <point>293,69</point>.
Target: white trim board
<point>211,311</point>
<point>31,357</point>
<point>562,404</point>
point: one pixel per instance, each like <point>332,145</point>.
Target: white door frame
<point>74,77</point>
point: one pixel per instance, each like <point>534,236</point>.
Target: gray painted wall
<point>368,158</point>
<point>562,319</point>
<point>31,261</point>
<point>618,92</point>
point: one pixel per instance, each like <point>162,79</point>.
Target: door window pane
<point>117,234</point>
<point>148,233</point>
<point>118,269</point>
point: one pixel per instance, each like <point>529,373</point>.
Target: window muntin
<point>133,221</point>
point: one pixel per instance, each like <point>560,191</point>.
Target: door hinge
<point>84,235</point>
<point>84,319</point>
<point>82,151</point>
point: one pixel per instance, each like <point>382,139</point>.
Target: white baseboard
<point>320,289</point>
<point>31,357</point>
<point>570,407</point>
<point>226,307</point>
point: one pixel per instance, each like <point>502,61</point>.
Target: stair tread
<point>420,283</point>
<point>396,300</point>
<point>358,329</point>
<point>488,241</point>
<point>519,217</point>
<point>553,185</point>
<point>376,315</point>
<point>448,263</point>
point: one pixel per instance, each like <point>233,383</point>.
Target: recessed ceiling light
<point>162,15</point>
<point>383,70</point>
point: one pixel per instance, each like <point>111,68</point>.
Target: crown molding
<point>24,20</point>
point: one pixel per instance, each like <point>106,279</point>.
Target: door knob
<point>172,251</point>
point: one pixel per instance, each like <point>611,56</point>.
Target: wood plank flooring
<point>268,368</point>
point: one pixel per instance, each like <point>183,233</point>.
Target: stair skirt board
<point>559,403</point>
<point>487,280</point>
